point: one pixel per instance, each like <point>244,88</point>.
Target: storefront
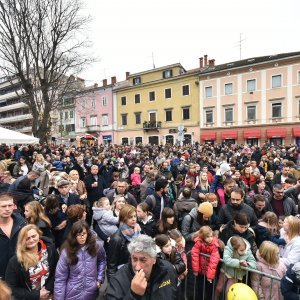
<point>296,135</point>
<point>229,137</point>
<point>208,137</point>
<point>276,135</point>
<point>107,139</point>
<point>252,136</point>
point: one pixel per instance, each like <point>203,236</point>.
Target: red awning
<point>276,132</point>
<point>88,137</point>
<point>296,131</point>
<point>252,134</point>
<point>208,136</point>
<point>226,135</point>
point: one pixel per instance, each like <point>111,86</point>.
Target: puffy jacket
<point>162,285</point>
<point>18,278</point>
<point>148,227</point>
<point>231,265</point>
<point>106,220</point>
<point>190,225</point>
<point>261,284</point>
<point>79,281</point>
<point>201,264</point>
<point>289,285</point>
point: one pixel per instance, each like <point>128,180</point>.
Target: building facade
<point>251,101</point>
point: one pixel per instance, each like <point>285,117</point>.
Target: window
<point>137,80</point>
<point>105,120</point>
<point>138,140</point>
<point>209,116</point>
<point>66,115</point>
<point>251,112</point>
<point>93,120</point>
<point>298,77</point>
<point>208,91</point>
<point>251,85</point>
<point>61,115</point>
<point>186,113</point>
<point>83,104</point>
<point>228,89</point>
<point>276,110</point>
<point>138,118</point>
<point>124,119</point>
<point>82,122</point>
<point>168,93</point>
<point>104,101</point>
<point>151,96</point>
<point>169,116</point>
<point>152,116</point>
<point>124,141</point>
<point>276,81</point>
<point>123,100</point>
<point>70,127</point>
<point>167,74</point>
<point>93,103</point>
<point>137,98</point>
<point>185,90</point>
<point>229,114</point>
<point>71,113</point>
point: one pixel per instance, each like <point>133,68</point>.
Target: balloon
<point>241,291</point>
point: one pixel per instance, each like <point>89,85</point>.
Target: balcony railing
<point>148,125</point>
<point>93,128</point>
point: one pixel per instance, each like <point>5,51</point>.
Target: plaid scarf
<point>128,232</point>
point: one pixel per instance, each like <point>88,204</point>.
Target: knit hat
<point>224,167</point>
<point>206,209</point>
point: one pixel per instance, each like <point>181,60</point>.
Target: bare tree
<point>42,42</point>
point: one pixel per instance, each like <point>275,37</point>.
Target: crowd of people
<point>152,221</point>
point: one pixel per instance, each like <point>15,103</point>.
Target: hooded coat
<point>106,220</point>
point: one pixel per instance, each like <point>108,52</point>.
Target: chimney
<point>104,82</point>
<point>127,75</point>
<point>201,62</point>
<point>205,60</point>
<point>95,85</point>
<point>113,80</point>
<point>211,62</point>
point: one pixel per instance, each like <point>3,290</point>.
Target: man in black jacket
<point>145,277</point>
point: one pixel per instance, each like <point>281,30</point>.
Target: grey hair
<point>143,243</point>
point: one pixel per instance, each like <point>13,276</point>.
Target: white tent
<point>13,137</point>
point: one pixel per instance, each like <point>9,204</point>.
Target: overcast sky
<point>125,33</point>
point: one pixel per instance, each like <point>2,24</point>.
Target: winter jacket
<point>154,204</point>
<point>261,284</point>
<point>79,281</point>
<point>8,245</point>
<point>229,231</point>
<point>216,184</point>
<point>135,179</point>
<point>289,285</point>
<point>130,199</point>
<point>94,193</point>
<point>190,225</point>
<point>162,284</point>
<point>290,253</point>
<point>203,265</point>
<point>228,212</point>
<point>263,234</point>
<point>289,206</point>
<point>18,278</point>
<point>59,165</point>
<point>183,206</point>
<point>231,265</point>
<point>148,227</point>
<point>106,220</point>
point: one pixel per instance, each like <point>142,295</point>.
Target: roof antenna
<point>153,61</point>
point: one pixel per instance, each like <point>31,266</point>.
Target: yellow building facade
<point>151,105</point>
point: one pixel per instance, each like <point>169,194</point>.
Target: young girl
<point>268,262</point>
<point>167,221</point>
<point>205,243</point>
<point>34,214</point>
<point>103,214</point>
<point>136,177</point>
<point>268,230</point>
<point>145,220</point>
<point>237,253</point>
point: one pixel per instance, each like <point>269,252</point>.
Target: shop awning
<point>208,136</point>
<point>296,131</point>
<point>229,135</point>
<point>252,134</point>
<point>88,137</point>
<point>276,132</point>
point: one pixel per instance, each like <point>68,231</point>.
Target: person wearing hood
<point>290,283</point>
<point>235,205</point>
<point>268,262</point>
<point>237,253</point>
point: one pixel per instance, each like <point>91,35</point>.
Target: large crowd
<point>153,222</point>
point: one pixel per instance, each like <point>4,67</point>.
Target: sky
<point>129,35</point>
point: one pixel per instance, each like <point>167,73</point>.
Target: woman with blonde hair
<point>268,262</point>
<point>30,273</point>
<point>42,166</point>
<point>203,185</point>
<point>118,203</point>
<point>290,253</point>
<point>34,214</point>
<point>77,185</point>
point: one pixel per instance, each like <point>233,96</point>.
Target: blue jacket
<point>289,286</point>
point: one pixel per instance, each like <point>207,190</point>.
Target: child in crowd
<point>268,262</point>
<point>136,177</point>
<point>206,267</point>
<point>268,230</point>
<point>103,214</point>
<point>167,221</point>
<point>237,253</point>
<point>145,220</point>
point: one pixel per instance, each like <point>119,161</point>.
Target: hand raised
<point>139,283</point>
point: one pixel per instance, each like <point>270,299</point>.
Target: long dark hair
<point>163,226</point>
<point>162,240</point>
<point>71,244</point>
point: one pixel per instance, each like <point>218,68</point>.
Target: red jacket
<point>198,262</point>
<point>248,181</point>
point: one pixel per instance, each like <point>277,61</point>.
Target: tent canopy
<point>8,136</point>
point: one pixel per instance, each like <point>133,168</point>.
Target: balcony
<point>148,125</point>
<point>93,128</point>
<point>14,119</point>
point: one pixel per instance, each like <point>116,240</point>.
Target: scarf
<point>128,232</point>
